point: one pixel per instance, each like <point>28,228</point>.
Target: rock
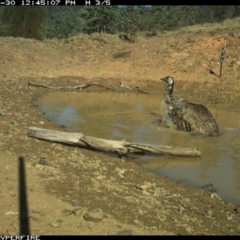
<point>2,114</point>
<point>45,163</point>
<point>146,193</point>
<point>229,217</point>
<point>215,195</point>
<point>136,221</point>
<point>75,203</point>
<point>66,212</point>
<point>142,187</point>
<point>101,177</point>
<point>181,209</point>
<point>77,211</point>
<point>11,213</point>
<point>189,229</point>
<point>148,184</point>
<point>94,216</point>
<point>13,194</point>
<point>209,187</point>
<point>55,225</point>
<point>41,122</point>
<point>120,175</point>
<point>209,213</point>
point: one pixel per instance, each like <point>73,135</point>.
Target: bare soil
<point>61,178</point>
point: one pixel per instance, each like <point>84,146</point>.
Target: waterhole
<point>134,117</point>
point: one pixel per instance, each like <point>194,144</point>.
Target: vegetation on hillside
<point>66,21</point>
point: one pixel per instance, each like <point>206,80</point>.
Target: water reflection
<point>134,117</point>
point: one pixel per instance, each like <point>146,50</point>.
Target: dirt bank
<point>61,179</point>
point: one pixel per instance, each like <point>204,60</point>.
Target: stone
<point>146,193</point>
<point>75,203</point>
<point>189,229</point>
<point>94,216</point>
<point>45,163</point>
<point>141,187</point>
<point>209,187</point>
<point>55,225</point>
<point>136,221</point>
<point>214,195</point>
<point>66,212</point>
<point>77,211</point>
<point>209,213</point>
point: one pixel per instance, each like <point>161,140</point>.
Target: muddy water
<point>134,117</point>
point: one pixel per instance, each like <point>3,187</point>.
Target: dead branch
<point>119,147</point>
<point>85,85</point>
<point>89,83</point>
<point>132,88</point>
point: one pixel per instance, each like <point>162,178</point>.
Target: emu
<point>185,116</point>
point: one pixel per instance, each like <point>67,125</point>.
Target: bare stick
<point>87,83</point>
<point>132,88</point>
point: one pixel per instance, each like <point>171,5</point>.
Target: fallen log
<point>119,147</point>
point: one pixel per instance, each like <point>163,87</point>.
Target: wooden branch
<point>119,147</point>
<point>132,88</point>
<point>88,84</point>
<point>85,85</point>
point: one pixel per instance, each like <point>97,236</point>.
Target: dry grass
<point>113,45</point>
<point>226,26</point>
<point>102,38</point>
<point>121,55</point>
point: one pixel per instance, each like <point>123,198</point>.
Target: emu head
<point>168,80</point>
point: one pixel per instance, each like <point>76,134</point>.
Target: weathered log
<point>119,147</point>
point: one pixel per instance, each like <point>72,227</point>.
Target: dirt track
<point>78,178</point>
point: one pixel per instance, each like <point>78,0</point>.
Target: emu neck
<point>168,94</point>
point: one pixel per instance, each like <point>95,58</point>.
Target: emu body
<point>185,116</point>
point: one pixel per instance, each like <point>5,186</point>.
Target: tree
<point>147,19</point>
<point>130,22</point>
<point>23,21</point>
<point>62,22</point>
<point>99,19</point>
